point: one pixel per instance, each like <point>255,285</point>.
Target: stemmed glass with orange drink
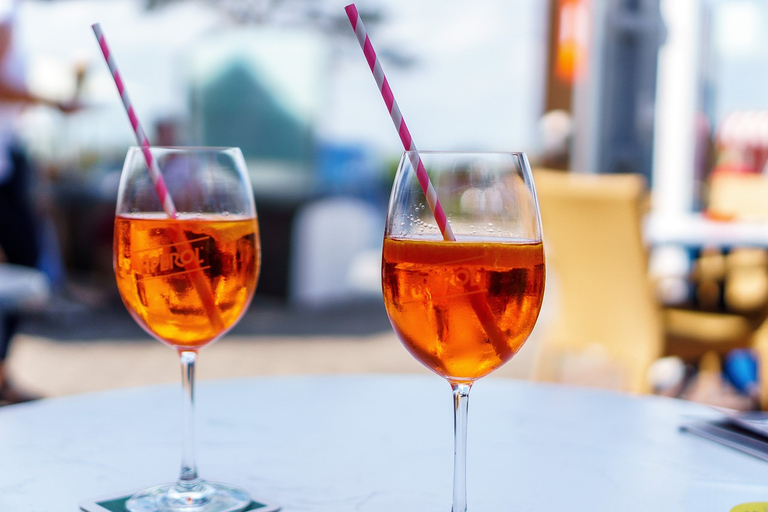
<point>186,278</point>
<point>464,294</point>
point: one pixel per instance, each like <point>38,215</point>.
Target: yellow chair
<point>610,326</point>
<point>740,196</point>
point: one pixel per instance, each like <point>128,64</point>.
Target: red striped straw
<point>141,138</point>
<point>399,122</point>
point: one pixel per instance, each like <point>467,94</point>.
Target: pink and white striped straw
<point>399,122</point>
<point>141,138</point>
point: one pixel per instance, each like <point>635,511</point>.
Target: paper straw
<point>399,122</point>
<point>481,307</point>
<point>141,138</point>
<point>202,286</point>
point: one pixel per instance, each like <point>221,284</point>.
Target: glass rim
<point>186,148</point>
<point>462,152</point>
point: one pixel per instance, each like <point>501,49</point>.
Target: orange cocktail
<point>174,274</point>
<point>462,308</point>
<point>462,269</point>
<point>186,254</point>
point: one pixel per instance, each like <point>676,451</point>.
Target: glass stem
<point>189,480</point>
<point>460,413</point>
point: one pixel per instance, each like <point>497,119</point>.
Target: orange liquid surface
<point>186,281</point>
<point>462,309</point>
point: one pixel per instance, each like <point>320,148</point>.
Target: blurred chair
<point>737,196</point>
<point>734,196</point>
<point>336,252</point>
<point>610,327</point>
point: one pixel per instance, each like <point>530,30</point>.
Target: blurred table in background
<point>377,443</point>
<point>695,231</point>
<point>712,265</point>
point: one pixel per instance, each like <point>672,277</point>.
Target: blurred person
<point>167,132</point>
<point>20,237</point>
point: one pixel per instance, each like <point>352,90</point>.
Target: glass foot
<point>207,497</point>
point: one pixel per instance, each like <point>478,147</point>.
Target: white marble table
<point>22,287</point>
<point>377,443</point>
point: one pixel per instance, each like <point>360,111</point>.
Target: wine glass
<point>186,271</point>
<point>462,269</point>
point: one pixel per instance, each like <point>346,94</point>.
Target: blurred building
<point>602,68</point>
<point>670,89</point>
<point>261,89</point>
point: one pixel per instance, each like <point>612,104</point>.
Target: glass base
<point>207,497</point>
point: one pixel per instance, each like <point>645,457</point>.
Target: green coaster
<point>118,505</point>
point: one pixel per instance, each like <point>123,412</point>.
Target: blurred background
<point>285,81</point>
<point>674,92</point>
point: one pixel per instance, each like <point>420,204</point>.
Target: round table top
<point>22,287</point>
<point>377,443</point>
